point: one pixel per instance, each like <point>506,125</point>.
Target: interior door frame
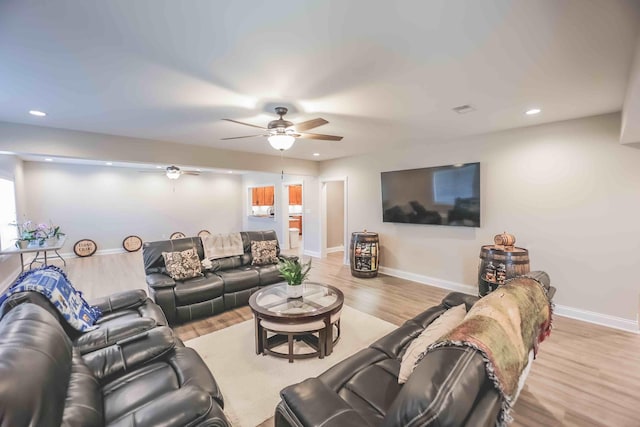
<point>284,207</point>
<point>323,216</point>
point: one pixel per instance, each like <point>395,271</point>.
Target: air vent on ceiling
<point>464,109</point>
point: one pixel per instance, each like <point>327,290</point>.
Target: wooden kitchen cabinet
<point>295,194</point>
<point>262,196</point>
<point>268,196</point>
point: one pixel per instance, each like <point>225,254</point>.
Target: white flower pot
<point>294,291</point>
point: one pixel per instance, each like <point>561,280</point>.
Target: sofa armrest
<point>293,258</point>
<point>312,403</point>
<point>159,281</point>
<point>130,352</point>
<point>120,300</point>
<point>112,333</point>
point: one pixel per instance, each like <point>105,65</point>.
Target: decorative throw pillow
<point>182,265</point>
<point>442,325</point>
<point>264,252</point>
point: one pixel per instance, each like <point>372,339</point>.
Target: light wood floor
<point>585,375</point>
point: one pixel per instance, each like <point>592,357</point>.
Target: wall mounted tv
<point>443,195</point>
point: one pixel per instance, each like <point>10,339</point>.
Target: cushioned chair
<point>145,380</point>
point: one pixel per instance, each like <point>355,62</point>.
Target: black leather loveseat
<point>448,388</point>
<point>145,379</point>
<point>227,284</point>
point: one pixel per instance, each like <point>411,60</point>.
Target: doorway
<point>293,219</point>
<point>334,218</point>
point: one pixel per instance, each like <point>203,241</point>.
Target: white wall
<point>106,204</point>
<point>335,214</point>
<point>12,167</point>
<point>568,191</point>
<point>280,223</point>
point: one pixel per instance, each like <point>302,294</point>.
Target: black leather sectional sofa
<point>228,284</point>
<point>130,371</point>
<point>448,388</point>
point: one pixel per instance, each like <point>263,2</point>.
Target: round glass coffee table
<point>319,303</point>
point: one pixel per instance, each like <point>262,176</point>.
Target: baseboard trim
<point>335,249</point>
<point>597,318</point>
<point>607,320</point>
<point>312,254</point>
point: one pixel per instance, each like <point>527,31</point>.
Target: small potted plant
<point>294,273</point>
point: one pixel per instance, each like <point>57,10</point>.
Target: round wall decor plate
<point>132,243</point>
<point>203,233</point>
<point>85,247</point>
<point>177,235</point>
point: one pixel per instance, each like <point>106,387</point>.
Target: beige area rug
<point>251,383</point>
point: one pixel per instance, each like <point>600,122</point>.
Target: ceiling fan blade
<point>191,173</point>
<point>320,136</point>
<point>158,171</point>
<point>246,124</point>
<point>309,124</point>
<point>239,137</point>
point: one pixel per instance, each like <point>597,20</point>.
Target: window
<point>8,232</point>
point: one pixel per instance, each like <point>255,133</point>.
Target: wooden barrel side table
<point>364,254</point>
<point>499,264</point>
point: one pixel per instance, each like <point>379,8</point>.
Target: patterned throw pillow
<point>182,265</point>
<point>264,252</point>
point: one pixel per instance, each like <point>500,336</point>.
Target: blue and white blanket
<point>51,282</point>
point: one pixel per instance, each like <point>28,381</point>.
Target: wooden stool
<point>288,332</point>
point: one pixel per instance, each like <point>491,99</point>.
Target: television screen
<point>443,195</point>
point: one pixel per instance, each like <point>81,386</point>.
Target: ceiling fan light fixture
<point>281,142</point>
<point>173,172</point>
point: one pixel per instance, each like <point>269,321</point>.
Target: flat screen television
<point>442,195</point>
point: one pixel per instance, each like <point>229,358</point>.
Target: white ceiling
<point>383,73</point>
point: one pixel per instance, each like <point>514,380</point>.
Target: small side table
<point>38,249</point>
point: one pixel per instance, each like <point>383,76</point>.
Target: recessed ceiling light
<point>48,160</point>
<point>198,170</point>
<point>158,167</point>
<point>109,164</point>
<point>37,113</point>
<point>229,171</point>
<point>316,154</point>
<point>533,111</point>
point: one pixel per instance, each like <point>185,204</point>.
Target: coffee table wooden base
<point>276,340</point>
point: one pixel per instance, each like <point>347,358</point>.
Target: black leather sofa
<point>228,284</point>
<point>448,388</point>
<point>145,379</point>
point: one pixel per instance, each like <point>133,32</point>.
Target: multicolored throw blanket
<point>51,282</point>
<point>506,327</point>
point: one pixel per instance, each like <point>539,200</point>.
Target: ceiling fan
<point>173,172</point>
<point>282,133</point>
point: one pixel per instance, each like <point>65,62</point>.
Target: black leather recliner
<point>448,388</point>
<point>148,379</point>
<point>228,284</point>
